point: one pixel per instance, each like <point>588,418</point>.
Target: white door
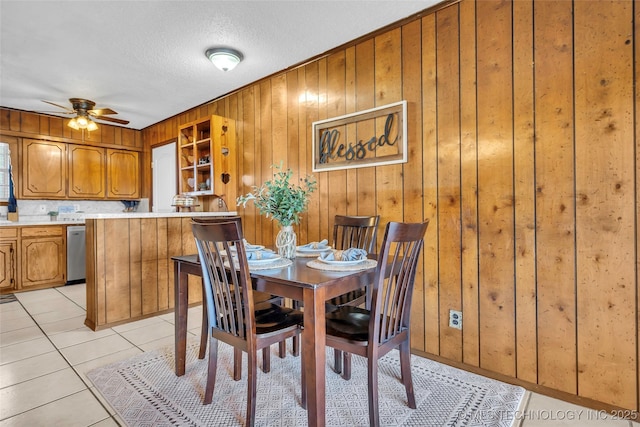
<point>164,177</point>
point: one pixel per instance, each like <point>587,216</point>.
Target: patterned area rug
<point>145,392</point>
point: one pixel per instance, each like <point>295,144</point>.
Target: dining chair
<point>233,315</point>
<point>374,332</point>
<point>258,297</point>
<point>349,231</point>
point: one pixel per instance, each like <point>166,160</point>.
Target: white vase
<point>286,242</point>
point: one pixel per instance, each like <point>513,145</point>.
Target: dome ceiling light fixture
<point>225,59</point>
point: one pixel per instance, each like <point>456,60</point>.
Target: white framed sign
<point>373,137</point>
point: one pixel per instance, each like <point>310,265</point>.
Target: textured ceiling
<point>145,59</point>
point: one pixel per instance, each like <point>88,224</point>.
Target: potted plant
<point>284,202</point>
<point>53,215</point>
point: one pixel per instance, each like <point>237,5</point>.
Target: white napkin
<point>315,245</point>
<point>351,254</point>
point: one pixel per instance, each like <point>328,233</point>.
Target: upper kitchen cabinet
<point>206,156</point>
<point>86,172</point>
<point>44,169</point>
<point>123,174</point>
<point>55,170</point>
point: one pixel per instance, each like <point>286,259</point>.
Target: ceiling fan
<point>85,114</point>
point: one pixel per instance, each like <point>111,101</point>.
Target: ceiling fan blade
<point>112,119</point>
<point>58,105</point>
<point>101,111</point>
<point>57,112</point>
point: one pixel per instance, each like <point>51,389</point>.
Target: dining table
<point>299,282</point>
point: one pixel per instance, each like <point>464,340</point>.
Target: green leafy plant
<point>280,200</point>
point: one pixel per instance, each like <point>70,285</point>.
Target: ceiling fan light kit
<point>225,59</point>
<point>82,122</point>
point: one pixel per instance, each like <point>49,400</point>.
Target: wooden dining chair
<point>233,315</point>
<point>258,297</point>
<point>375,332</point>
<point>349,232</point>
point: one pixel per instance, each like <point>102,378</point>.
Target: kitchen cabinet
<point>43,256</point>
<point>8,259</point>
<point>44,169</point>
<point>207,157</point>
<point>86,172</point>
<point>55,170</point>
<point>123,174</point>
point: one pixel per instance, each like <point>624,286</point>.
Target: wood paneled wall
<point>40,126</point>
<point>523,153</point>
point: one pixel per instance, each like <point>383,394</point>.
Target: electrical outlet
<point>455,319</point>
<point>42,209</point>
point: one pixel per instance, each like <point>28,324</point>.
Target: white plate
<point>191,182</point>
<point>248,248</point>
<point>323,249</point>
<point>263,261</point>
<point>341,262</point>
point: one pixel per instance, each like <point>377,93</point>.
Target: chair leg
<point>266,359</point>
<point>251,388</point>
<point>372,367</point>
<point>337,361</point>
<point>346,369</point>
<point>405,370</point>
<point>296,339</point>
<point>282,349</point>
<point>237,364</point>
<point>211,370</point>
<point>204,333</point>
<point>303,382</point>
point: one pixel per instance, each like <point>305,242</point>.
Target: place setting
<point>351,259</point>
<point>313,249</point>
<point>260,258</point>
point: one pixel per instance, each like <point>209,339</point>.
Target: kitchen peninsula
<point>129,268</point>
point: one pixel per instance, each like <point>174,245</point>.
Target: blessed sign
<point>372,137</point>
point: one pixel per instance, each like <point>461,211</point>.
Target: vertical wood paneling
<point>524,189</point>
<point>449,227</point>
<point>495,187</point>
<point>389,185</point>
<point>430,185</point>
<point>605,174</point>
<point>636,31</point>
<point>336,106</point>
<point>152,266</point>
<point>119,301</point>
<point>469,185</point>
<point>411,92</point>
<point>555,211</point>
<point>530,186</point>
<point>136,281</point>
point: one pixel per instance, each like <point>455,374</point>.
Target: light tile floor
<point>46,351</point>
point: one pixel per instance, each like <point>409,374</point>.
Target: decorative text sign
<point>372,137</point>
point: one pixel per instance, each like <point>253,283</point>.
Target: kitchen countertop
<point>80,219</point>
<point>156,215</point>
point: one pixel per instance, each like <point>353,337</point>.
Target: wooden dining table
<point>299,282</point>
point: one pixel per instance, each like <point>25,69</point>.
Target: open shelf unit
<point>205,164</point>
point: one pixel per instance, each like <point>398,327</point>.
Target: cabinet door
<point>44,262</point>
<point>123,174</point>
<point>8,262</point>
<point>44,169</point>
<point>86,172</point>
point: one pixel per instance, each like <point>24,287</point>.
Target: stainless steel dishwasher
<point>76,253</point>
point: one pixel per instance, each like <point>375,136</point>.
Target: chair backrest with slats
<point>395,277</point>
<point>355,232</point>
<point>227,281</point>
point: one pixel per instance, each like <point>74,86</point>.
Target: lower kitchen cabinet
<point>8,259</point>
<point>43,256</point>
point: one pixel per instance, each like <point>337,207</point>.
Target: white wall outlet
<point>42,209</point>
<point>455,319</point>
